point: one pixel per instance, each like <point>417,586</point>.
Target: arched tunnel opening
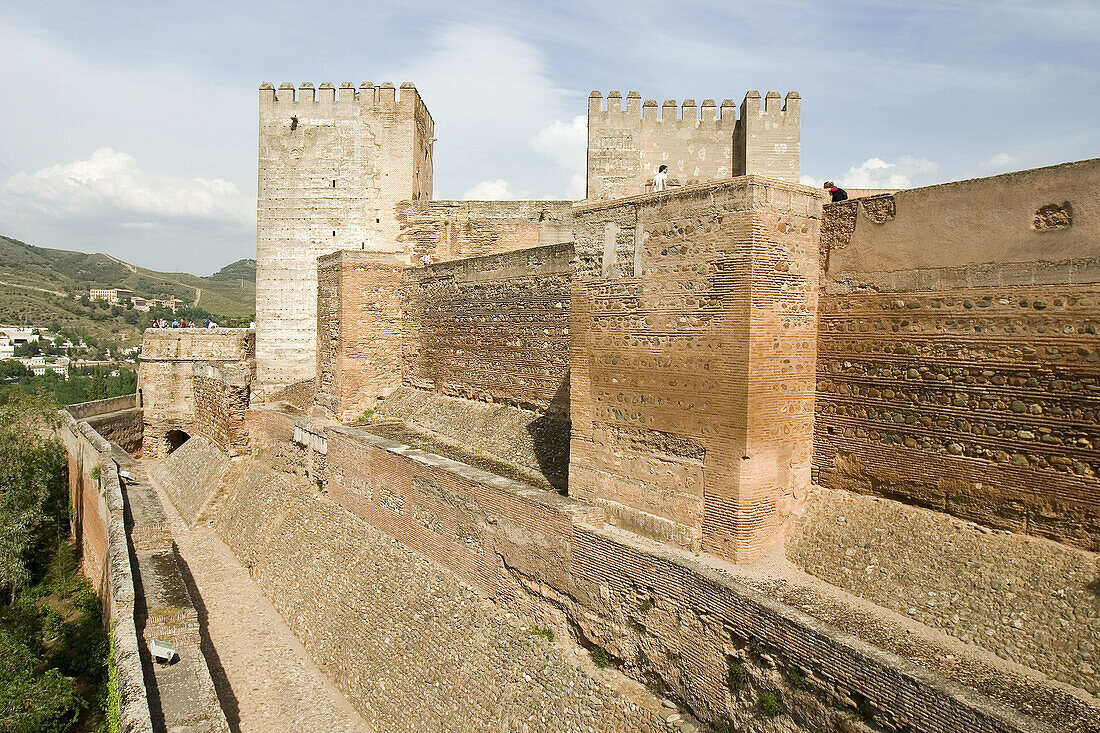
<point>175,438</point>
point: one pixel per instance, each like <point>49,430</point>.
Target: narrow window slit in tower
<point>334,183</point>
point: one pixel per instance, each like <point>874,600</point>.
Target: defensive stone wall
<point>526,444</point>
<point>99,527</point>
<point>167,380</point>
<point>719,645</point>
<point>698,144</point>
<point>1025,599</point>
<point>958,355</point>
<point>117,419</point>
<point>492,328</point>
<point>692,361</point>
<point>359,330</point>
<point>411,647</point>
<point>448,230</point>
<point>84,410</point>
<point>332,168</point>
<point>191,476</point>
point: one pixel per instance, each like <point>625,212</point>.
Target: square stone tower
<point>697,143</point>
<point>332,168</point>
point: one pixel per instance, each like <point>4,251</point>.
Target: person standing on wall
<point>660,180</point>
<point>838,193</point>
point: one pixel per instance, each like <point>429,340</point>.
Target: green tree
<point>33,489</point>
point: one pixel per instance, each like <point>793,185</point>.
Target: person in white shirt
<point>661,178</point>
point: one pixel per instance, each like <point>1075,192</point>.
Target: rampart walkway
<point>265,681</point>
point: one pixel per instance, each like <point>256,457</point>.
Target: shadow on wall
<point>550,439</point>
<point>175,438</point>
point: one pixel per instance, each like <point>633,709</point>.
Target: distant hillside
<point>239,270</point>
<point>37,285</point>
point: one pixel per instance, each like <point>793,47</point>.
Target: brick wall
<point>221,401</point>
<point>448,230</point>
<point>492,328</point>
<point>692,337</point>
<point>958,357</point>
<point>359,327</point>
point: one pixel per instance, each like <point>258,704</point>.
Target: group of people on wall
<point>182,323</point>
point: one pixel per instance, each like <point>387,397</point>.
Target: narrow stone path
<point>265,680</point>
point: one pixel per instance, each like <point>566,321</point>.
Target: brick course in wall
<point>492,328</point>
<point>959,356</point>
<point>359,327</point>
<point>692,359</point>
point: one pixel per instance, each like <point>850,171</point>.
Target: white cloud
<point>490,95</point>
<point>489,191</point>
<point>112,179</point>
<point>878,173</point>
<point>1000,163</point>
<point>566,143</point>
<point>806,180</point>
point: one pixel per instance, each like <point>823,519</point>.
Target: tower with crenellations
<point>708,142</point>
<point>332,166</point>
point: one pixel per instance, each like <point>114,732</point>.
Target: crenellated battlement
<point>785,110</point>
<point>612,110</point>
<point>628,140</point>
<point>306,97</point>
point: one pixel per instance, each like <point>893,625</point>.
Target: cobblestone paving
<point>265,679</point>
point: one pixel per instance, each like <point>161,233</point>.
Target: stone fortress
<point>787,464</point>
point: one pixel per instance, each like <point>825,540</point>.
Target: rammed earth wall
<point>959,356</point>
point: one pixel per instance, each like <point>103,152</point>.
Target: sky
<point>131,127</point>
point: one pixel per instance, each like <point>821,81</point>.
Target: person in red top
<point>838,193</point>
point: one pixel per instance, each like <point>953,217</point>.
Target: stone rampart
<point>492,328</point>
<point>191,476</point>
<point>411,647</point>
<point>221,400</point>
<point>167,379</point>
<point>692,361</point>
<point>117,419</point>
<point>958,355</point>
<point>1025,599</point>
<point>84,410</point>
<point>698,144</point>
<point>660,614</point>
<point>448,230</point>
<point>98,507</point>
